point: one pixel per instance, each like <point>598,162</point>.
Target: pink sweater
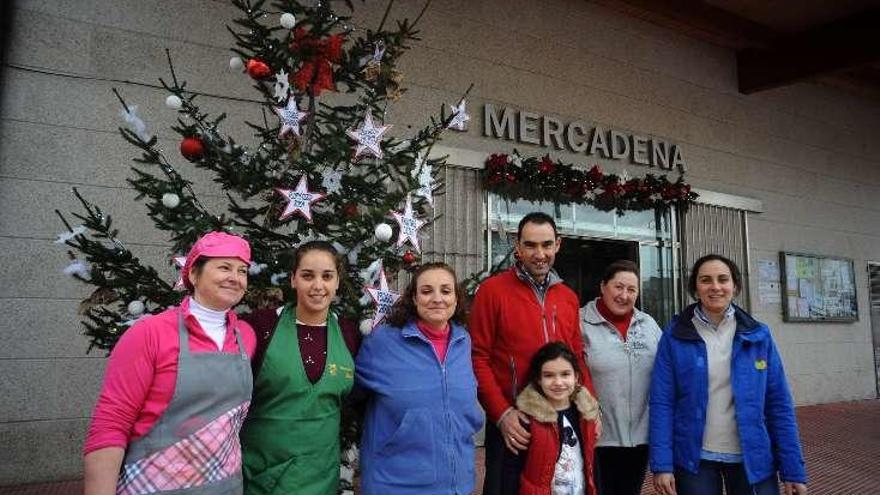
<point>142,372</point>
<point>439,338</point>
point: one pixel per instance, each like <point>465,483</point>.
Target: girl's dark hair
<point>617,267</point>
<point>404,309</point>
<point>734,273</point>
<point>550,352</point>
<point>324,246</point>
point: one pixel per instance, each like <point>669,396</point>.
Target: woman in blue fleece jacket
<point>422,410</point>
<point>720,410</point>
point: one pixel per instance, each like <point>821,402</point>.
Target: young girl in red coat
<point>563,424</point>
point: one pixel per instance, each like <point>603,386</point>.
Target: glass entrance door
<point>591,240</point>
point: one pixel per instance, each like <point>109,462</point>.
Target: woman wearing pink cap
<point>177,387</point>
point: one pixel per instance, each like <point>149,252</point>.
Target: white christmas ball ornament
<point>170,200</point>
<point>288,21</point>
<point>383,232</point>
<point>173,101</point>
<point>366,327</point>
<point>135,308</point>
<point>236,63</point>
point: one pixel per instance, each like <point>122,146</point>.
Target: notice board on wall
<point>818,288</point>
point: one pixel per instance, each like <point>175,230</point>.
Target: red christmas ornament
<point>258,69</point>
<point>409,258</point>
<point>192,148</point>
<point>350,210</point>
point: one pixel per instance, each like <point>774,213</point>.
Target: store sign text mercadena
<point>532,128</point>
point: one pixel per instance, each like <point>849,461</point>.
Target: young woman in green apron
<point>303,370</point>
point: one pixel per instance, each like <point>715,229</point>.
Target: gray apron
<point>194,448</point>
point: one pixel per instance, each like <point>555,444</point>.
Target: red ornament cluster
<point>542,179</point>
<point>258,69</point>
<point>318,56</point>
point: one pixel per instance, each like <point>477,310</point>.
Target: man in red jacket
<point>513,314</point>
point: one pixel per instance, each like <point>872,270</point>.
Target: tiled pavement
<point>841,443</point>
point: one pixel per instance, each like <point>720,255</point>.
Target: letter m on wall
<point>503,128</point>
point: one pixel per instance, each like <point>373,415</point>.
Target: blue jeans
<point>712,475</point>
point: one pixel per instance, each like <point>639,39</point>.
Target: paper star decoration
<point>291,117</point>
<point>382,297</point>
<point>368,137</point>
<point>299,200</point>
<point>409,225</point>
<point>332,181</point>
<point>282,85</point>
<point>459,117</point>
<point>179,261</point>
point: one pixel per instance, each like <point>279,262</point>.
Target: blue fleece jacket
<point>421,414</point>
<point>762,401</point>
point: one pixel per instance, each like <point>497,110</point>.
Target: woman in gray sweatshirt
<point>620,343</point>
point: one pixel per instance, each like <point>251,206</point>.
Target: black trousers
<point>620,470</point>
<point>503,468</point>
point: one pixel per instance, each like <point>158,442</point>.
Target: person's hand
<point>516,437</point>
<point>598,421</point>
<point>792,488</point>
<point>664,483</point>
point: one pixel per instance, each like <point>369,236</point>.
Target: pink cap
<point>216,245</point>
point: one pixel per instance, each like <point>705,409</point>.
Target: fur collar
<point>531,402</point>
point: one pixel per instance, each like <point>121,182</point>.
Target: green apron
<point>290,439</point>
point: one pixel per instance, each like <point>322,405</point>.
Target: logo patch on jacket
<point>760,364</point>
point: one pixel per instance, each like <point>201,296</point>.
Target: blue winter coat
<point>421,414</point>
<point>762,401</point>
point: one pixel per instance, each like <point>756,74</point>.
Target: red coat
<point>508,325</point>
<point>540,464</point>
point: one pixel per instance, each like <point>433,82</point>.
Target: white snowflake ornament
<point>66,236</point>
<point>332,181</point>
<point>281,86</point>
<point>459,117</point>
<point>368,137</point>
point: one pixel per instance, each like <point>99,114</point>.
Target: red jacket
<point>508,324</point>
<point>540,465</point>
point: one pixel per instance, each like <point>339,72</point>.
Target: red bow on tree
<point>318,55</point>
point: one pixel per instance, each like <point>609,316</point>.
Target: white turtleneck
<point>212,322</point>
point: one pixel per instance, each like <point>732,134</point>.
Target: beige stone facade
<point>810,154</point>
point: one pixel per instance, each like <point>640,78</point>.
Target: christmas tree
<point>322,164</point>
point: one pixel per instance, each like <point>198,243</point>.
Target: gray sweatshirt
<point>621,372</point>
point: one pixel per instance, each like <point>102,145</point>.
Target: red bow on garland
<point>318,55</point>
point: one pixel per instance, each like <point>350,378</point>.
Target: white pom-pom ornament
<point>288,21</point>
<point>366,327</point>
<point>236,63</point>
<point>383,232</point>
<point>173,101</point>
<point>136,308</point>
<point>170,200</point>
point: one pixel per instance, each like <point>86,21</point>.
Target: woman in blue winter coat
<point>721,413</point>
<point>422,411</point>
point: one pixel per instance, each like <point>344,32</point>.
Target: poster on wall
<point>768,282</point>
<point>818,288</point>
